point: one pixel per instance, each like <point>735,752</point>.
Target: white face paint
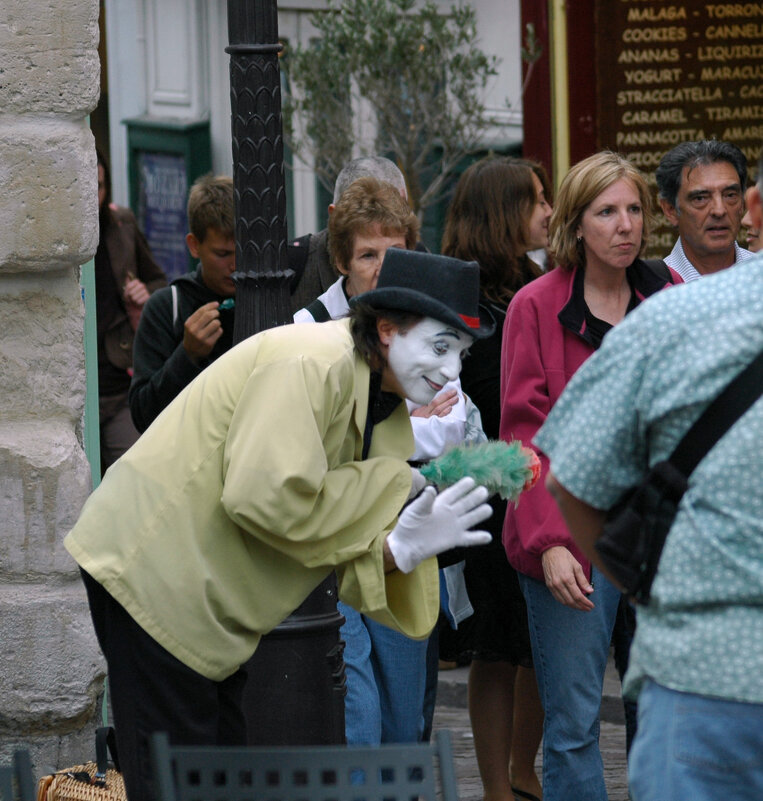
<point>426,357</point>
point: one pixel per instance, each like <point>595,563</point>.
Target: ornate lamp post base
<point>296,687</point>
<point>295,691</point>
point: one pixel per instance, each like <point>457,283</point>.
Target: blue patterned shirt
<point>627,408</point>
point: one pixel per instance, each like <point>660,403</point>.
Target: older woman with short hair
<point>369,217</point>
<point>598,231</point>
<point>386,671</point>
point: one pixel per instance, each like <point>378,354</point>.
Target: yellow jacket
<point>246,492</point>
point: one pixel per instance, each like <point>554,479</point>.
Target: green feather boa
<point>506,468</point>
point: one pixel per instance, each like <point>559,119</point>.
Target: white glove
<point>418,484</point>
<point>435,523</point>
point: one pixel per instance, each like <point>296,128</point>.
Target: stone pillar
<point>51,673</point>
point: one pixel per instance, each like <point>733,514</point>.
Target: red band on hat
<point>472,322</point>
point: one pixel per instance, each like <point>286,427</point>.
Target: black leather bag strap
<point>319,312</point>
<point>719,416</point>
<point>661,269</point>
<point>105,742</point>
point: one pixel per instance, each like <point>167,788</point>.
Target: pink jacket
<point>544,342</point>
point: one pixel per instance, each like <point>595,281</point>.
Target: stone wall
<point>51,674</point>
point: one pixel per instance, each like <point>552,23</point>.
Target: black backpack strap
<point>659,268</point>
<point>634,534</point>
<point>319,312</point>
<point>719,416</point>
<point>296,255</point>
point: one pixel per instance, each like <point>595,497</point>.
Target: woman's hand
<point>441,406</point>
<point>566,579</point>
<point>136,291</point>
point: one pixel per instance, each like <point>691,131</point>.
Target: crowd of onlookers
<point>531,612</point>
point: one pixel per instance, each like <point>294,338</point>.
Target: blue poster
<point>162,189</point>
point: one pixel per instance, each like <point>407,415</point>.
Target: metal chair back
<point>406,772</point>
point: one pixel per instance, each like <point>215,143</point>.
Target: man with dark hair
<point>697,657</point>
<point>701,190</point>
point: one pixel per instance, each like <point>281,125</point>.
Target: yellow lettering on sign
<point>747,72</point>
<point>654,34</point>
<point>656,14</point>
<point>749,31</point>
<point>664,116</point>
<point>721,113</point>
<point>661,138</point>
<point>645,159</point>
<point>734,10</point>
<point>664,241</point>
<point>731,53</point>
<point>667,75</point>
<point>649,56</point>
<point>694,94</point>
<point>739,133</point>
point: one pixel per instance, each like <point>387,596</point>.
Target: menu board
<point>162,190</point>
<point>668,73</point>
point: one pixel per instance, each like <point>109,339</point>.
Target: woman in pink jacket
<point>597,232</point>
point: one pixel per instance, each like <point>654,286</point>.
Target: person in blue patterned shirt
<point>696,663</point>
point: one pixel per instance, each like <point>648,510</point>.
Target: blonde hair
<point>580,187</point>
<point>364,204</point>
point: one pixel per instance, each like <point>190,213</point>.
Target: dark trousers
<point>430,688</point>
<point>118,432</point>
<point>151,691</point>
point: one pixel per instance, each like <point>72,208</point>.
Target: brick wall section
<point>51,674</point>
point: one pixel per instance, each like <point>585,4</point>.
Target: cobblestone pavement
<point>451,714</point>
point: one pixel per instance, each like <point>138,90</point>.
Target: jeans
<point>386,677</point>
<point>570,650</point>
<point>694,747</point>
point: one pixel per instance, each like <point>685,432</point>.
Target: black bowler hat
<point>441,287</point>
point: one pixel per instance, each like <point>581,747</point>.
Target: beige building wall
<point>51,674</point>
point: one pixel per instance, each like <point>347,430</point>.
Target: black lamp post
<point>262,276</point>
<point>295,691</point>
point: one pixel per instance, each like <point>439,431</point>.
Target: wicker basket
<point>71,785</point>
<point>93,781</point>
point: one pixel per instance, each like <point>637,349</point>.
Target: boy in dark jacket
<point>186,326</point>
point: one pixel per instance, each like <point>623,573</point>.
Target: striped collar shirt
<point>681,264</point>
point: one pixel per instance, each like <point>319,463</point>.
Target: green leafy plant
<point>389,77</point>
